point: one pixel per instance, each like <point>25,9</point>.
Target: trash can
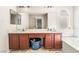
<point>35,44</point>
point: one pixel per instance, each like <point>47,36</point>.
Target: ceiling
<point>35,9</point>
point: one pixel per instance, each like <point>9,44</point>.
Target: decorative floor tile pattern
<point>41,50</point>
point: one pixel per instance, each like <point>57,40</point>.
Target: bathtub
<point>72,41</point>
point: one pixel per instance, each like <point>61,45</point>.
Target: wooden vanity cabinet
<point>13,41</point>
<point>21,40</point>
<point>58,41</point>
<point>24,41</point>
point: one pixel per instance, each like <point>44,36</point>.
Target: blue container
<point>35,44</point>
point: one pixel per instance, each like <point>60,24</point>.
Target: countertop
<point>34,31</point>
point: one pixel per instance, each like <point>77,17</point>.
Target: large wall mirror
<point>15,18</point>
<point>38,21</point>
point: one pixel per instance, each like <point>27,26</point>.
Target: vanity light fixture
<point>48,7</point>
<point>23,6</point>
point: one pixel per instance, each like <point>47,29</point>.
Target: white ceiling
<point>36,9</point>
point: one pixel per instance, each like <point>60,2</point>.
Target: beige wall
<point>5,26</point>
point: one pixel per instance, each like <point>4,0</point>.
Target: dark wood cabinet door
<point>36,35</point>
<point>10,41</point>
<point>13,41</point>
<point>52,40</point>
<point>24,41</point>
<point>58,41</point>
<point>48,41</point>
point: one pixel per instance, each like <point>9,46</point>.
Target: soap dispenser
<point>54,30</point>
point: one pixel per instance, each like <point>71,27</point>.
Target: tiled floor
<point>41,50</point>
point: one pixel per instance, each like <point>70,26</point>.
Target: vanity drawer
<point>37,35</point>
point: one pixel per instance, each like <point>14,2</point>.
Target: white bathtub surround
<point>72,42</point>
<point>76,21</point>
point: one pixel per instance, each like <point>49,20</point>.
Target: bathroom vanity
<point>20,40</point>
